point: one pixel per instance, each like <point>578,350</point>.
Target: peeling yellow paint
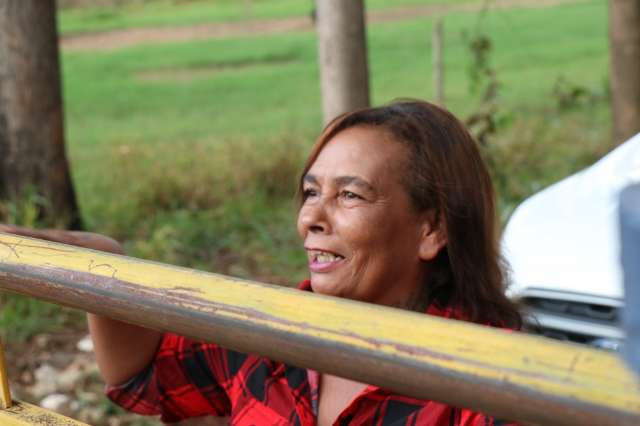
<point>562,371</point>
<point>23,414</point>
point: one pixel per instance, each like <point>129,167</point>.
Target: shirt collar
<point>314,377</point>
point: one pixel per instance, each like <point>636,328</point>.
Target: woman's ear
<point>433,236</point>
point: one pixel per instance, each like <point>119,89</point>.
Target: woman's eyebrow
<point>342,181</point>
<point>354,180</point>
<point>310,179</point>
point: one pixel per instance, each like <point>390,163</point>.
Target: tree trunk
<point>32,154</point>
<point>624,38</point>
<point>344,77</point>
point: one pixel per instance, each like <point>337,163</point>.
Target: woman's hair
<point>447,175</point>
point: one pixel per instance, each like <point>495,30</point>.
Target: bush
<point>225,207</point>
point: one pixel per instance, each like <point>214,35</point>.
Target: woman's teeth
<point>327,257</point>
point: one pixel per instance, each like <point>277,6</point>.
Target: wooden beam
<point>506,374</point>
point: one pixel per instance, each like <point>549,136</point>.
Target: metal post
<point>510,375</point>
<point>630,251</point>
<point>5,394</point>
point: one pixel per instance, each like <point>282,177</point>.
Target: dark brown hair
<point>447,175</point>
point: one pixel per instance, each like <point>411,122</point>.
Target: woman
<point>397,209</point>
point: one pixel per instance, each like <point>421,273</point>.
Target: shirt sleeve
<point>185,379</point>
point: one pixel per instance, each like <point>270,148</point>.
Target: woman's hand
<point>121,349</point>
<point>81,239</point>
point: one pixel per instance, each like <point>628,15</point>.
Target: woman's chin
<point>324,285</point>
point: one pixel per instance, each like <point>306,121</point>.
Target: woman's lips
<point>323,261</point>
<point>324,267</point>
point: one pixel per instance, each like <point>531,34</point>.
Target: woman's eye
<point>307,193</point>
<point>350,195</point>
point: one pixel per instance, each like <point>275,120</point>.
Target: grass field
<point>188,152</point>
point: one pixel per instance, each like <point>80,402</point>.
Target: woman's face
<point>362,237</point>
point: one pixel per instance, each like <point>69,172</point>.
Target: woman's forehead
<point>359,151</point>
<point>361,146</point>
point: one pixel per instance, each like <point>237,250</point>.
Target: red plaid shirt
<point>192,379</point>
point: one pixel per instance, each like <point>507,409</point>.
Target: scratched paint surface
<point>541,365</point>
<point>22,414</point>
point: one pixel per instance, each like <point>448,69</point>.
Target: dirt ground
<point>117,39</point>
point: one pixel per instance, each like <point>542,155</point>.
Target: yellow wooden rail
<point>510,375</point>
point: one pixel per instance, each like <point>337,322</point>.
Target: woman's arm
<point>121,349</point>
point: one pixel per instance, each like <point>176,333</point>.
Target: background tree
<point>344,76</point>
<point>32,154</point>
<point>624,37</point>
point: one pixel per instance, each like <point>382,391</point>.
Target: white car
<point>563,248</point>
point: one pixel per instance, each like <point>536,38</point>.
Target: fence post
<point>438,64</point>
<point>342,52</point>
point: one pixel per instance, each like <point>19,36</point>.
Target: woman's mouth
<point>323,261</point>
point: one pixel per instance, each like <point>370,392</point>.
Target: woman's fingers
<point>18,230</point>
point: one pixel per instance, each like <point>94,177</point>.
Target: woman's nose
<point>314,218</point>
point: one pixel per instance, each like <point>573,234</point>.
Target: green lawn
<point>267,86</point>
